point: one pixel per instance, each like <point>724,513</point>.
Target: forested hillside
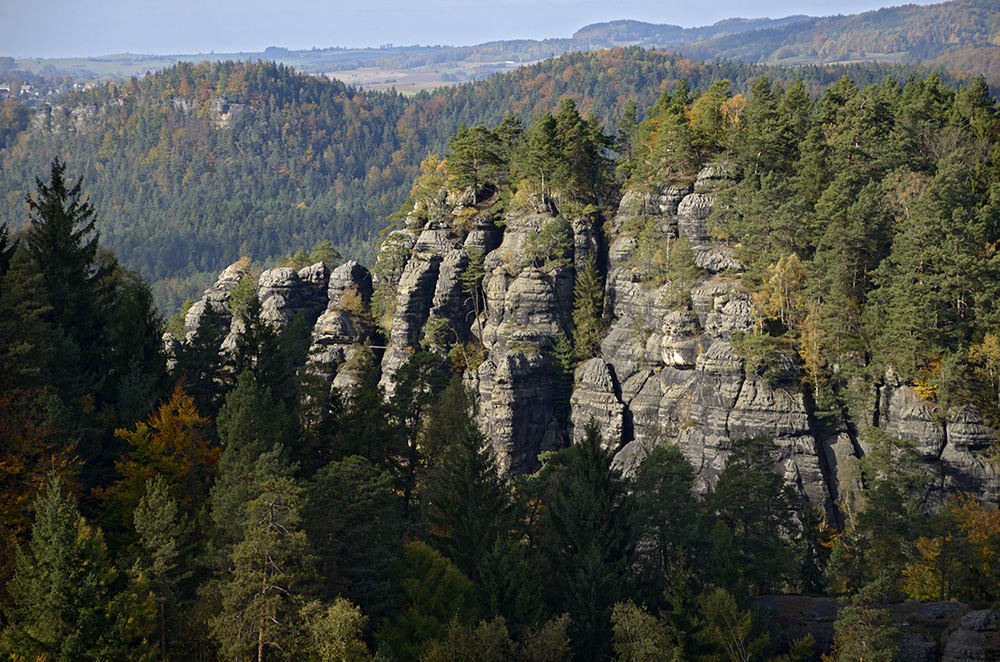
<point>198,165</point>
<point>960,35</point>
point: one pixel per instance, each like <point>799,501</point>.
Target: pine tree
<point>62,242</point>
<point>369,428</point>
<point>164,534</point>
<point>865,628</point>
<point>474,160</point>
<point>133,356</point>
<point>468,501</point>
<point>592,544</point>
<point>64,607</point>
<point>628,125</point>
<point>682,274</point>
<point>472,280</point>
<point>588,310</point>
<point>272,567</point>
<point>543,161</point>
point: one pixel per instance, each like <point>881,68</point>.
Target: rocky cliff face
<point>930,631</point>
<point>664,374</point>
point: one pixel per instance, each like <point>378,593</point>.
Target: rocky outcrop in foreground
<point>665,373</point>
<point>929,631</point>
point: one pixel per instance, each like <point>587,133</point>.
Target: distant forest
<point>198,165</point>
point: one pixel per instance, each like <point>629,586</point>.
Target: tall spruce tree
<point>62,242</point>
<point>7,248</point>
<point>64,605</point>
<point>755,518</point>
<point>670,522</point>
<point>354,521</point>
<point>200,363</point>
<point>591,546</point>
<point>588,310</point>
<point>468,501</point>
<point>164,539</point>
<point>249,426</point>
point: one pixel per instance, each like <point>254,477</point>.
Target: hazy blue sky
<point>69,28</point>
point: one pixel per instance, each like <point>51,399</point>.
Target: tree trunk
<point>163,632</point>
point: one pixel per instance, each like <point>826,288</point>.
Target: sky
<point>80,28</point>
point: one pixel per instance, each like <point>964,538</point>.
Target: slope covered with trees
<point>198,165</point>
<point>959,35</point>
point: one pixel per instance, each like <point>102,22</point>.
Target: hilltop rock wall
<point>664,374</point>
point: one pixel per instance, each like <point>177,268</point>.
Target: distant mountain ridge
<point>960,35</point>
<point>629,32</point>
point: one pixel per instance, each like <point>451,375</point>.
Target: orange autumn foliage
<point>172,444</point>
<point>961,562</point>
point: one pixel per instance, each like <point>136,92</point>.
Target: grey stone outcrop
<point>664,374</point>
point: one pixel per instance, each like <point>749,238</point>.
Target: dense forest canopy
<point>198,165</point>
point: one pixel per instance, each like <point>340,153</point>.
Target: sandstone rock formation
<point>664,374</point>
<point>930,631</point>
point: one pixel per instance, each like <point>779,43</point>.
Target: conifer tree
<point>200,363</point>
<point>249,426</point>
<point>62,242</point>
<point>417,385</point>
<point>543,156</point>
<point>472,280</point>
<point>164,538</point>
<point>592,543</point>
<point>7,248</point>
<point>258,351</point>
<point>369,427</point>
<point>884,524</point>
<point>755,508</point>
<point>468,501</point>
<point>266,587</point>
<point>64,607</point>
<point>563,367</point>
<point>588,310</point>
<point>27,341</point>
<point>133,356</point>
<point>474,160</point>
<point>682,274</point>
<point>626,129</point>
<point>669,519</point>
<point>353,518</point>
